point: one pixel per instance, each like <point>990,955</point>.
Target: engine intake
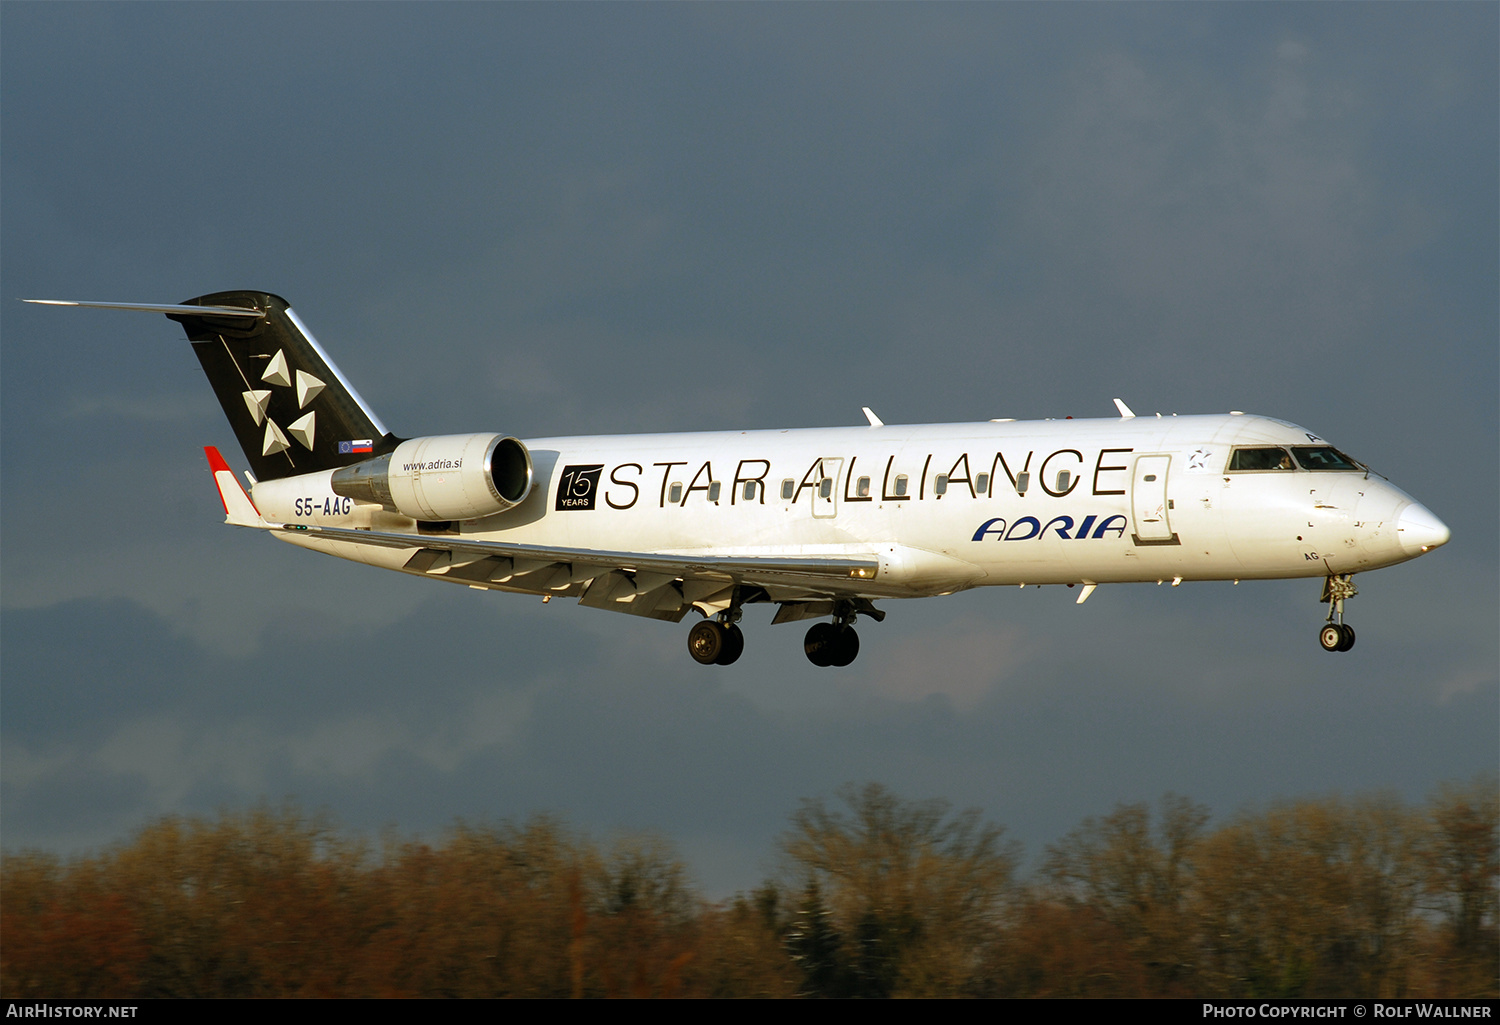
<point>447,477</point>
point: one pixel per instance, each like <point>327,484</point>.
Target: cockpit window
<point>1260,459</point>
<point>1322,457</point>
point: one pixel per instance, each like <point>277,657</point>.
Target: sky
<point>553,219</point>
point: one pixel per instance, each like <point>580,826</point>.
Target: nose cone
<point>1420,531</point>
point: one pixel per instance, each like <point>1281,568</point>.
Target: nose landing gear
<point>1336,635</point>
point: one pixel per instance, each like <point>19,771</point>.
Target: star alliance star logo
<point>257,400</point>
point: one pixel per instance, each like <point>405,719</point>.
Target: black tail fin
<point>290,408</point>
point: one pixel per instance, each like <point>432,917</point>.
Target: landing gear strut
<point>1336,635</point>
<point>833,644</point>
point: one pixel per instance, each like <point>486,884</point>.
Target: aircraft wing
<point>659,585</point>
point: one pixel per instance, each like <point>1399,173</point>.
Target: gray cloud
<point>577,219</point>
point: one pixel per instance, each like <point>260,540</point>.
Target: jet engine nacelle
<point>447,477</point>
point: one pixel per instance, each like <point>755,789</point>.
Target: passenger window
<point>674,493</point>
<point>862,489</point>
<point>1260,459</point>
<point>940,484</point>
<point>788,489</point>
<point>713,491</point>
<point>749,492</point>
<point>982,483</point>
<point>1023,481</point>
<point>900,484</point>
<point>1064,478</point>
<point>825,487</point>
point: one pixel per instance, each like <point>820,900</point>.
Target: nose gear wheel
<point>1335,634</point>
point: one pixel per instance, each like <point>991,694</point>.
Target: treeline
<point>876,897</point>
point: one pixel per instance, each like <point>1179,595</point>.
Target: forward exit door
<point>826,496</point>
<point>1149,505</point>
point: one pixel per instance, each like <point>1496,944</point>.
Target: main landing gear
<point>1337,635</point>
<point>836,643</point>
<point>715,643</point>
<point>719,642</point>
<point>831,644</point>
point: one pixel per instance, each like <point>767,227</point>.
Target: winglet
<point>239,510</point>
<point>1125,413</point>
<point>875,421</point>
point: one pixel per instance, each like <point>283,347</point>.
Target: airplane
<point>820,522</point>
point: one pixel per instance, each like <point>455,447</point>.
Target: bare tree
<point>913,893</point>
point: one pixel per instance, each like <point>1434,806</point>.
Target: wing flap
<point>549,568</point>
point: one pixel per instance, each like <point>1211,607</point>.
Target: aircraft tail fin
<point>239,508</point>
<point>290,407</point>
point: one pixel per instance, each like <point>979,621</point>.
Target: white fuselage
<point>943,507</point>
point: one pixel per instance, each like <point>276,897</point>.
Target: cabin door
<point>826,494</point>
<point>1149,505</point>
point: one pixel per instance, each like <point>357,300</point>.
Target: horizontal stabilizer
<point>196,311</point>
<point>239,510</point>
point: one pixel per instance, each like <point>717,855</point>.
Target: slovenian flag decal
<point>349,447</point>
